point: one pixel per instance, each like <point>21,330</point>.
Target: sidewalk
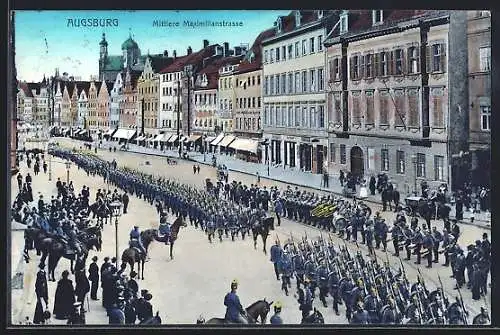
<point>290,176</point>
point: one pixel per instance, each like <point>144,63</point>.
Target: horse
<point>132,256</point>
<point>101,211</point>
<point>174,232</point>
<point>258,309</point>
<point>155,320</point>
<point>314,318</point>
<point>33,238</point>
<point>261,229</point>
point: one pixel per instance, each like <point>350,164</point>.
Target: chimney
<point>205,44</point>
<point>226,49</point>
<point>175,54</point>
<point>165,53</point>
<point>189,50</point>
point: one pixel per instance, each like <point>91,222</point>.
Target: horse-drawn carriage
<point>414,205</point>
<point>420,206</point>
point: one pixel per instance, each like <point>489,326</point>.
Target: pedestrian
<point>198,168</point>
<point>341,178</point>
<point>278,209</point>
<point>94,278</point>
<point>476,283</point>
<point>64,298</point>
<point>82,285</point>
<point>20,181</point>
<point>194,169</point>
<point>372,185</point>
<point>125,200</point>
<point>258,177</point>
<point>42,296</point>
<point>326,180</point>
<point>276,254</point>
<point>44,167</point>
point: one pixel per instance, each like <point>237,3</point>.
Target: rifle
<point>462,305</point>
<point>445,301</point>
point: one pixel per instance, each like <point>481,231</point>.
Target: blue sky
<point>44,40</point>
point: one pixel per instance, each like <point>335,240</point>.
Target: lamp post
<point>204,147</point>
<point>68,166</point>
<point>116,207</point>
<point>414,161</point>
<point>188,71</point>
<point>267,160</point>
<point>179,116</point>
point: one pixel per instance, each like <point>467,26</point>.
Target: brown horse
<point>174,232</point>
<point>258,309</point>
<point>132,256</point>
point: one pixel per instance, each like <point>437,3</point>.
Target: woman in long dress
<point>363,191</point>
<point>65,297</point>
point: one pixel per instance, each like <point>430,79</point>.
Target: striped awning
<point>209,139</point>
<point>125,134</point>
<point>193,138</point>
<point>244,144</point>
<point>217,139</point>
<point>227,140</point>
<point>140,138</point>
<point>172,139</point>
<point>158,137</point>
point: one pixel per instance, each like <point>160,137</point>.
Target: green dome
<point>129,44</point>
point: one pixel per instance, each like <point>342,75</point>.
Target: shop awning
<point>172,139</point>
<point>125,134</point>
<point>217,139</point>
<point>227,140</point>
<point>158,137</point>
<point>193,138</point>
<point>140,138</point>
<point>166,137</point>
<point>183,138</point>
<point>244,144</point>
<point>81,132</point>
<point>110,132</point>
<point>209,139</point>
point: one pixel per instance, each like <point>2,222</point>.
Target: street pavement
<point>291,176</point>
<point>195,282</point>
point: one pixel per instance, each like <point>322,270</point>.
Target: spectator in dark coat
<point>42,296</point>
<point>94,278</point>
<point>64,298</point>
<point>125,200</point>
<point>372,185</point>
<point>82,285</point>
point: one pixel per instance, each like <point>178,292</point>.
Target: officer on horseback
<point>234,310</point>
<point>135,240</point>
<point>165,229</point>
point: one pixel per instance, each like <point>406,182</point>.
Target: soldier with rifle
<point>373,305</point>
<point>390,314</point>
<point>437,238</point>
<point>322,281</point>
<point>428,244</point>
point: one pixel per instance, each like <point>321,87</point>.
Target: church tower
<point>103,55</point>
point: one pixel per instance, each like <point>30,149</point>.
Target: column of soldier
<point>66,220</point>
<point>349,217</point>
<point>372,292</point>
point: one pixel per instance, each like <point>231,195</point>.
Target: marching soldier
<point>390,314</point>
<point>437,238</point>
<point>305,299</point>
<point>429,246</point>
<point>373,305</point>
<point>322,280</point>
<point>384,229</point>
<point>418,240</point>
<point>395,235</point>
<point>377,229</point>
<point>369,232</point>
<point>360,315</point>
<point>298,265</point>
<point>333,284</point>
<point>448,242</point>
<point>346,286</point>
<point>286,270</point>
<point>276,254</point>
<point>310,273</point>
<point>482,318</point>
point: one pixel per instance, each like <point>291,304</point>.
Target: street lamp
<point>68,166</point>
<point>188,71</point>
<point>179,116</point>
<point>116,211</point>
<point>267,160</point>
<point>414,161</point>
<point>204,147</point>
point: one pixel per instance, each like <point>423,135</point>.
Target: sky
<point>46,40</point>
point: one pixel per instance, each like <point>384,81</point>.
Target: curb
<point>484,226</point>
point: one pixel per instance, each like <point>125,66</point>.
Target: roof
<point>360,21</point>
<point>134,76</point>
<point>158,62</point>
<point>212,71</point>
<point>256,52</point>
<point>129,44</point>
<point>82,85</point>
<point>113,63</point>
<point>25,88</point>
<point>194,58</point>
<point>176,66</point>
<point>34,87</point>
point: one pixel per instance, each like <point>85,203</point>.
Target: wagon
<point>414,205</point>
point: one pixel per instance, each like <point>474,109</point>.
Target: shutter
<point>392,63</point>
<point>350,69</point>
<point>428,58</point>
<point>362,66</point>
<point>376,65</point>
<point>408,60</point>
<point>339,65</point>
<point>332,69</point>
<point>442,66</point>
<point>418,59</point>
<point>403,61</point>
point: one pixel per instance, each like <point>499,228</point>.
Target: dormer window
<point>297,18</point>
<point>343,23</point>
<point>320,14</point>
<point>279,24</point>
<point>377,16</point>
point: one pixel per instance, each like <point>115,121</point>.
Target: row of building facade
<point>366,91</point>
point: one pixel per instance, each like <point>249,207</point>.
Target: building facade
<point>116,97</point>
<point>294,100</point>
<point>128,111</point>
<point>66,106</point>
<point>479,54</point>
<point>388,96</point>
<point>169,84</point>
<point>104,105</point>
<point>25,103</point>
<point>83,117</point>
<point>205,100</point>
<point>41,105</point>
<point>92,105</point>
<point>226,98</point>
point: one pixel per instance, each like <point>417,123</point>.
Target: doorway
<point>357,163</point>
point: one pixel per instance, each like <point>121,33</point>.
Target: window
<point>336,69</point>
<point>266,111</point>
<point>421,165</point>
<point>377,16</point>
<point>369,65</point>
<point>356,107</point>
<point>253,102</point>
<point>413,111</point>
<point>271,88</point>
<point>259,102</point>
<point>485,58</point>
<point>304,81</point>
<point>273,116</point>
<point>399,110</point>
<point>343,25</point>
<point>283,84</point>
<point>279,118</point>
<point>297,116</point>
<point>438,168</point>
<point>283,52</point>
<point>337,108</point>
<point>384,154</point>
<point>311,45</point>
<point>312,78</point>
<point>321,80</point>
<point>277,78</point>
<point>296,49</point>
<point>485,117</point>
<point>370,106</point>
<point>399,62</point>
<point>271,55</point>
<point>413,60</point>
<point>290,116</point>
<point>400,158</point>
<point>277,54</point>
<point>305,118</point>
<point>384,64</point>
<point>290,83</point>
<point>438,58</point>
<point>297,82</point>
<point>304,47</point>
<point>321,115</point>
<point>355,67</point>
<point>332,152</point>
<point>320,43</point>
<point>342,154</point>
<point>437,107</point>
<point>290,51</point>
<point>313,117</point>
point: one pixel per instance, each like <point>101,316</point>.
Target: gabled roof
<point>159,62</point>
<point>109,86</point>
<point>212,71</point>
<point>82,85</point>
<point>176,66</point>
<point>194,58</point>
<point>34,86</point>
<point>23,86</point>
